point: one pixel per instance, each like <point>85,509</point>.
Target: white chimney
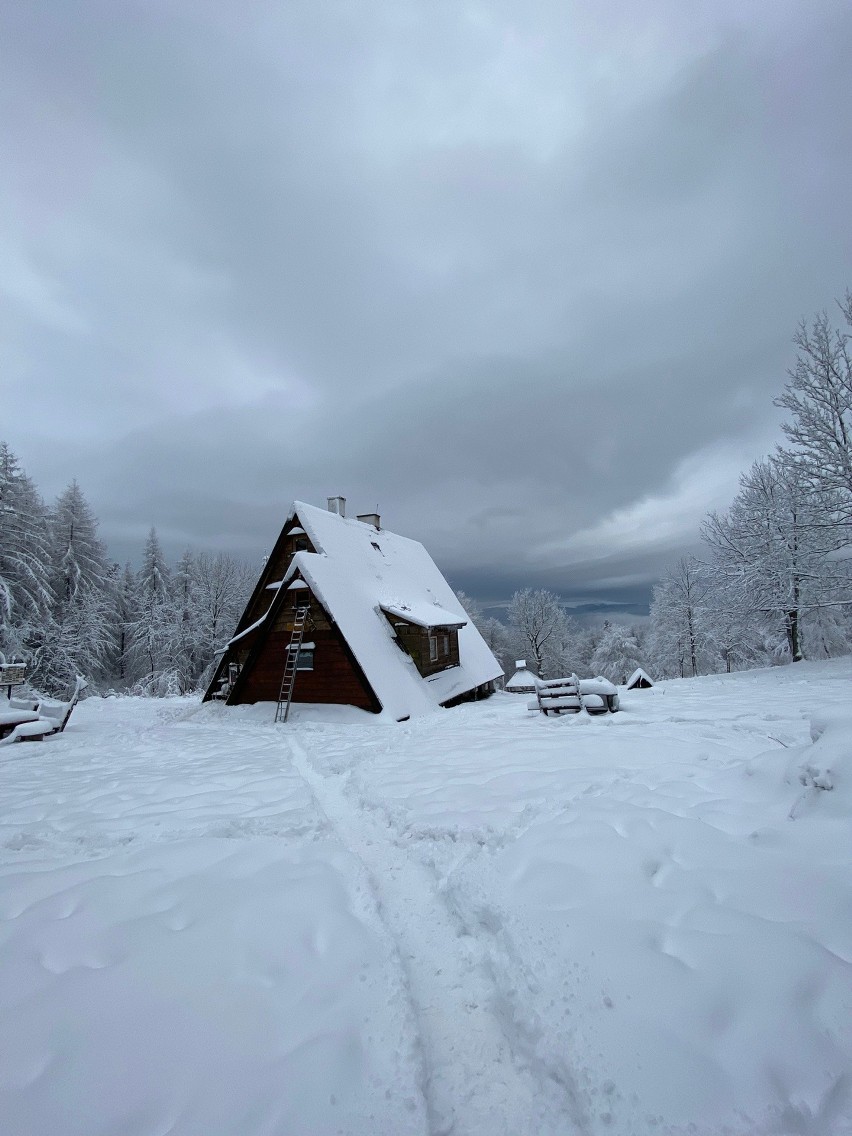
<point>371,519</point>
<point>337,505</point>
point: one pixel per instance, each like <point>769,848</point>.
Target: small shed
<point>523,681</point>
<point>638,680</point>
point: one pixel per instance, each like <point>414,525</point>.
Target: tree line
<point>776,582</point>
<point>553,643</point>
<point>66,609</point>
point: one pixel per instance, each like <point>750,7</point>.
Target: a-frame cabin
<point>365,618</point>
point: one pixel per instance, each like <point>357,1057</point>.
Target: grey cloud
<point>495,268</point>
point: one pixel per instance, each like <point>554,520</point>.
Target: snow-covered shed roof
<point>358,573</point>
<point>523,680</point>
<point>639,678</point>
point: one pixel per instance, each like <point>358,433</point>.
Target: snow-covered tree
<point>617,654</point>
<point>732,641</point>
<point>25,592</point>
<point>818,395</point>
<point>78,556</point>
<point>496,634</point>
<point>472,607</point>
<point>81,639</point>
<point>121,594</point>
<point>775,552</point>
<point>220,588</point>
<point>153,633</point>
<point>184,654</point>
<point>153,576</point>
<point>538,622</point>
<point>499,640</point>
<point>679,619</point>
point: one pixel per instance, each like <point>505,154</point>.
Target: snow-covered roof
<point>248,630</point>
<point>358,573</point>
<point>523,679</point>
<point>424,615</point>
<point>638,676</point>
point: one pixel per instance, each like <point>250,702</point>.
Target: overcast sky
<point>522,273</point>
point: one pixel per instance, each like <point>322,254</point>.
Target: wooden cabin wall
<point>336,677</point>
<point>415,640</point>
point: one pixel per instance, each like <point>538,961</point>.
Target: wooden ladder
<point>285,694</point>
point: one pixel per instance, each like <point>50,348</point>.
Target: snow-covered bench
<point>23,719</point>
<point>559,695</point>
<point>572,694</point>
<point>599,695</point>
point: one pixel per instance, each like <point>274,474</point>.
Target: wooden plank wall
<point>334,679</point>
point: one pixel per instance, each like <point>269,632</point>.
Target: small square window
<point>305,661</point>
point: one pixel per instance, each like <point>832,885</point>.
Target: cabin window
<point>305,661</point>
<point>445,644</point>
<point>433,648</point>
<point>300,544</point>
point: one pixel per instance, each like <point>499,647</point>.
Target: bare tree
<point>537,619</point>
<point>819,397</point>
<point>678,616</point>
<point>774,550</point>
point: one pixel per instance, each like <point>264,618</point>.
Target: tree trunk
<point>791,626</point>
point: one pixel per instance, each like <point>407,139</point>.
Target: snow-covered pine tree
<point>153,633</point>
<point>81,638</point>
<point>184,658</point>
<point>25,593</point>
<point>126,614</point>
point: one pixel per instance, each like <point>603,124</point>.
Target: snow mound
<point>826,765</point>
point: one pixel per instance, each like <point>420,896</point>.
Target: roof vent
<point>337,505</point>
<point>371,519</point>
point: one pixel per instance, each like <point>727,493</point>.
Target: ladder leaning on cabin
<point>285,694</point>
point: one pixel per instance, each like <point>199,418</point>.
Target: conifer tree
<point>81,639</point>
<point>25,593</point>
<point>152,633</point>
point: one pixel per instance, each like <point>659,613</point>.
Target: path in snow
<point>481,1075</point>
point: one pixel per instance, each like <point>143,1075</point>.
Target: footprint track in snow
<point>480,1070</point>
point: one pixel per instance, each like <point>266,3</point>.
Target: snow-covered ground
<point>482,922</point>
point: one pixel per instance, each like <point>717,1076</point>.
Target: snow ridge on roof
<point>358,573</point>
<point>637,676</point>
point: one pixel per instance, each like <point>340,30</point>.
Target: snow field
<point>480,922</point>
